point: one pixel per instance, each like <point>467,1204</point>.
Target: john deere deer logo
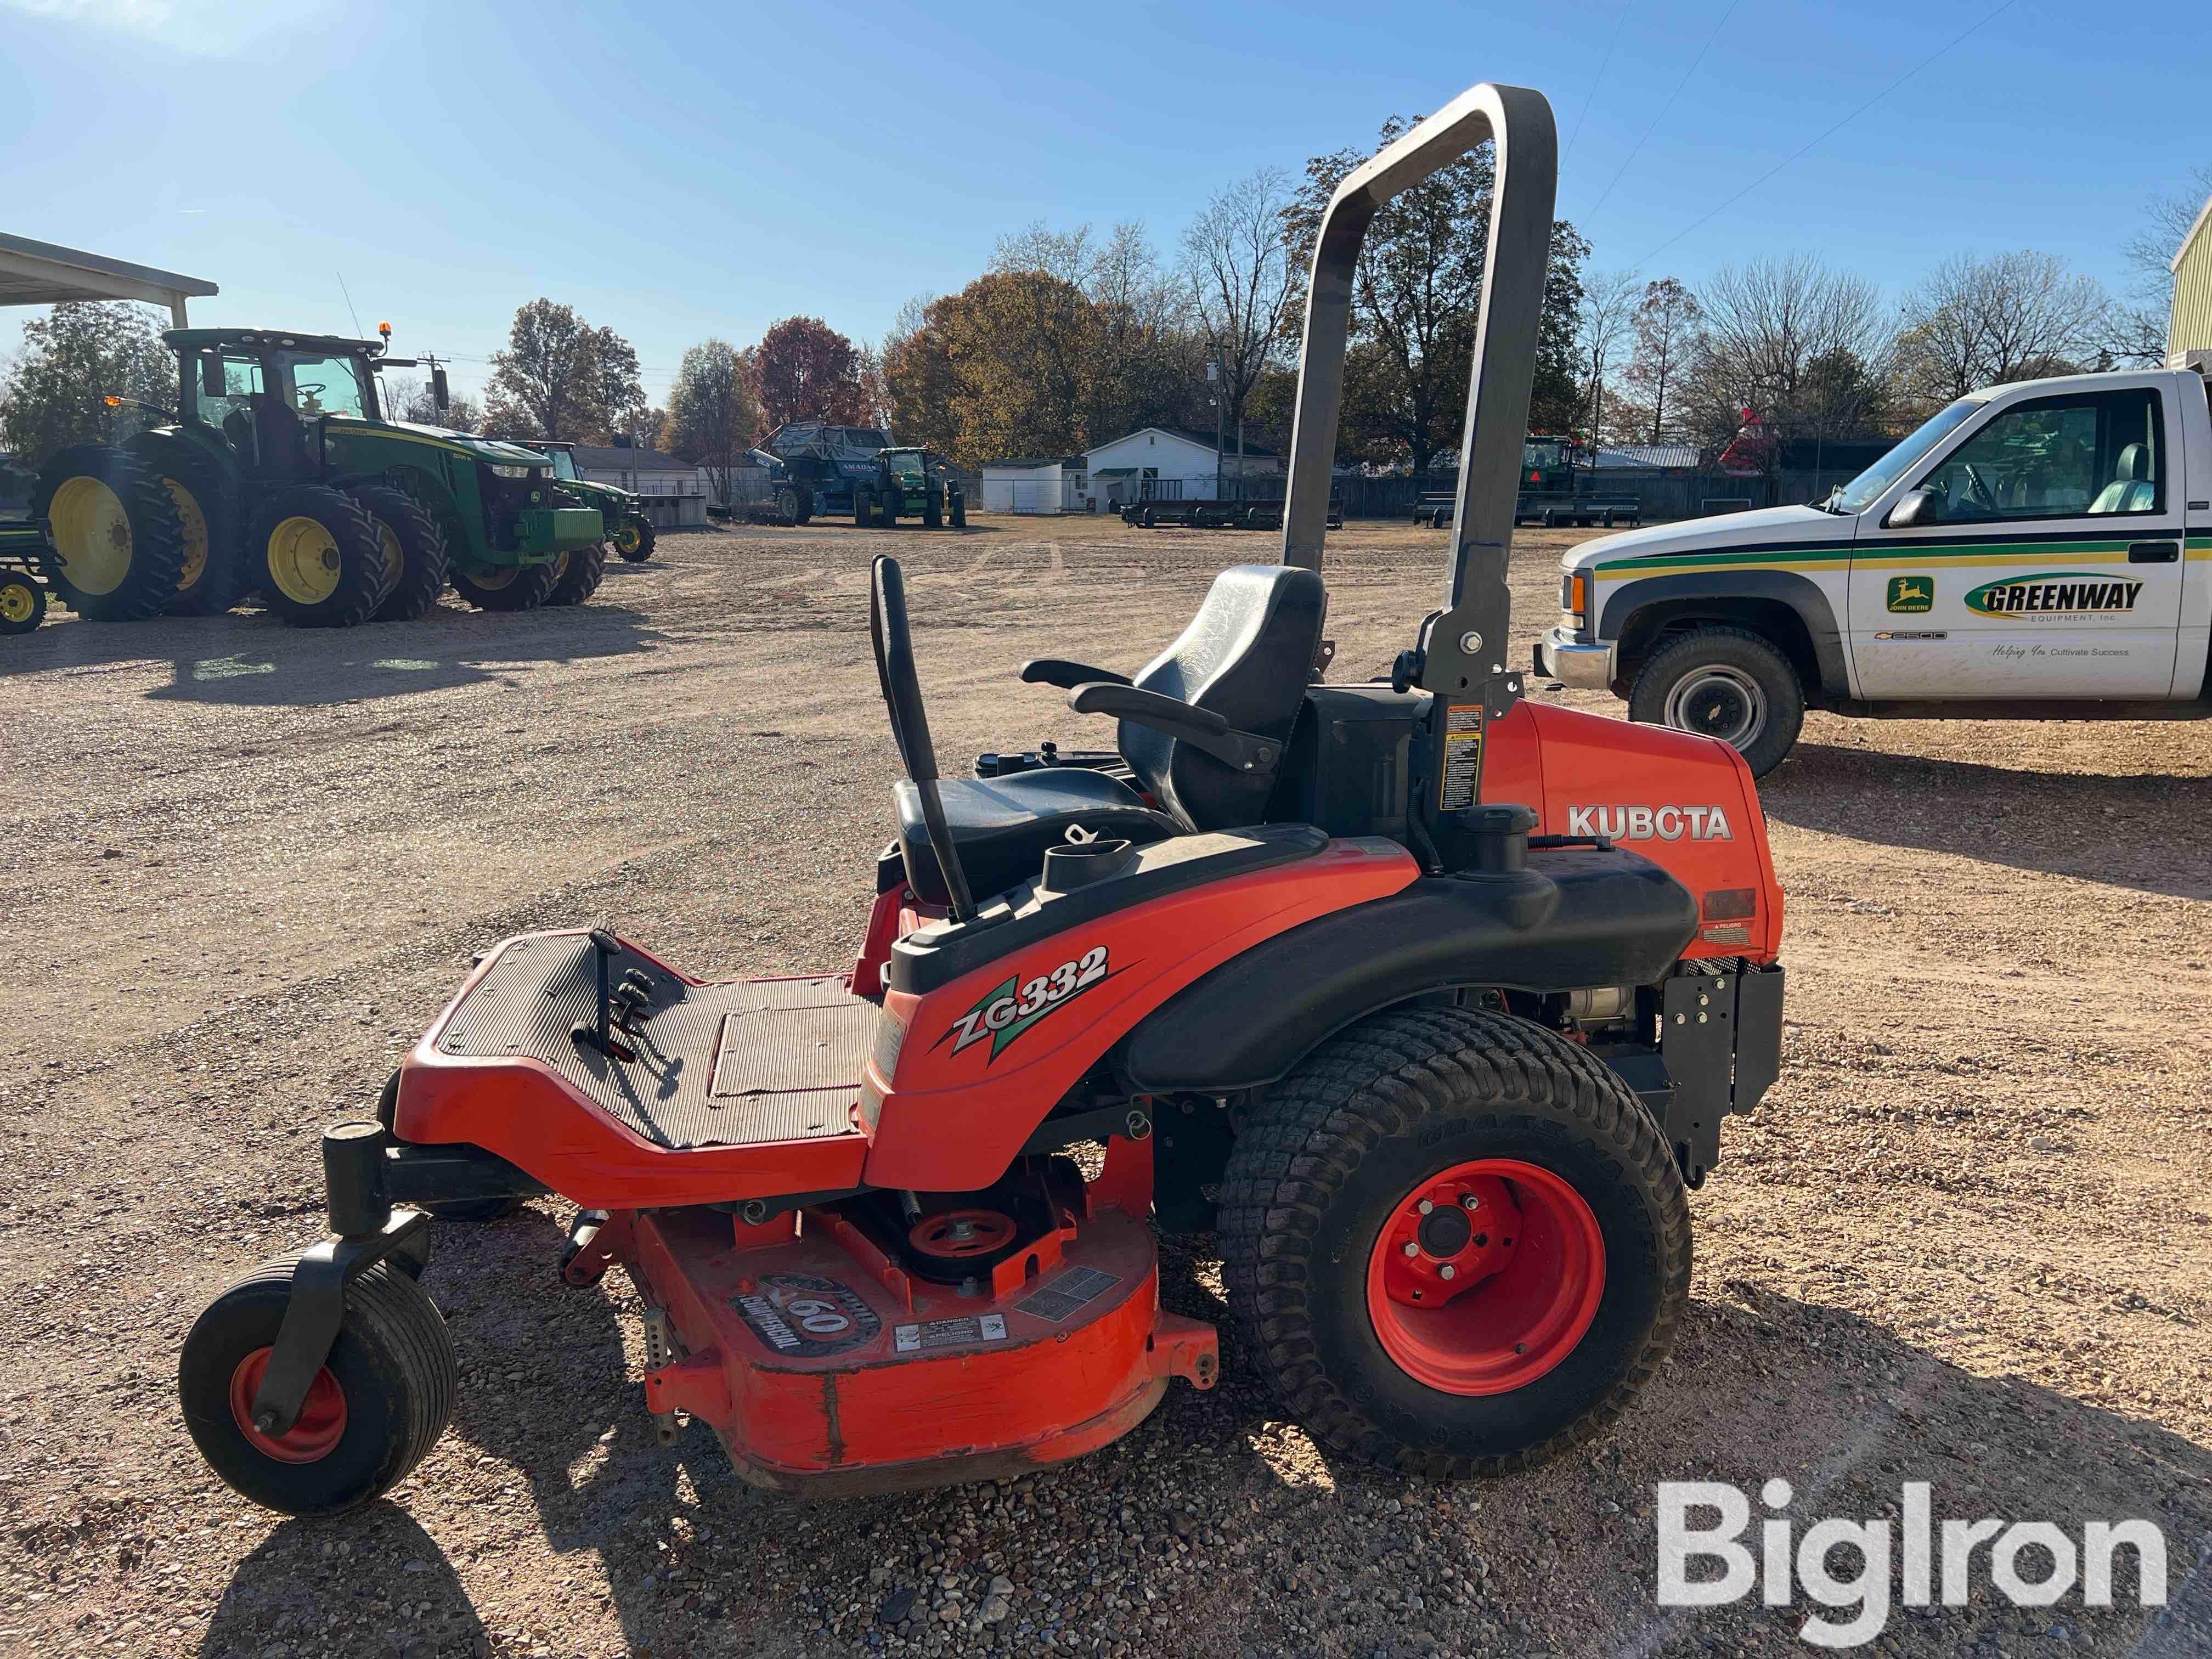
<point>1910,595</point>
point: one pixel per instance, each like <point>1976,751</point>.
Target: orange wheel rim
<point>322,1419</point>
<point>959,1234</point>
<point>1485,1277</point>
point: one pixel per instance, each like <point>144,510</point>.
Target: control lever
<point>605,947</point>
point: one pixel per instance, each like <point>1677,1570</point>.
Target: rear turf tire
<point>1726,682</point>
<point>115,529</point>
<point>578,573</point>
<point>1328,1165</point>
<point>473,1209</point>
<point>382,1400</point>
<point>420,547</point>
<point>318,557</point>
<point>508,587</point>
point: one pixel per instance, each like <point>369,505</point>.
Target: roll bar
<point>1461,655</point>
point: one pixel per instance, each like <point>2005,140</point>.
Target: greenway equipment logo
<point>1936,1559</point>
<point>1911,596</point>
<point>2055,594</point>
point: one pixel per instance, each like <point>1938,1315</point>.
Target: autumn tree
<point>78,354</point>
<point>803,369</point>
<point>1239,269</point>
<point>711,413</point>
<point>1016,344</point>
<point>919,381</point>
<point>560,377</point>
<point>1665,322</point>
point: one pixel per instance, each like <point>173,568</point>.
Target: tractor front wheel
<point>22,603</point>
<point>378,1403</point>
<point>578,573</point>
<point>115,527</point>
<point>321,556</point>
<point>508,586</point>
<point>414,552</point>
<point>1458,1242</point>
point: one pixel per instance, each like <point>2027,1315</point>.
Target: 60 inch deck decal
<point>1005,1012</point>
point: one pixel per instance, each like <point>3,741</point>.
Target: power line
<point>1971,28</point>
<point>1604,63</point>
<point>1664,107</point>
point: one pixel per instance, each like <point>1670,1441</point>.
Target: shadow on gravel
<point>371,1583</point>
<point>2138,831</point>
<point>252,659</point>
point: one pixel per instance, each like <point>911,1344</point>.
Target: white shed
<point>1177,465</point>
<point>1053,484</point>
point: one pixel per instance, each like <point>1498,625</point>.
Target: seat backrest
<point>1248,657</point>
<point>2131,490</point>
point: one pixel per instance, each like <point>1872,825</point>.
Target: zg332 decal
<point>1005,1011</point>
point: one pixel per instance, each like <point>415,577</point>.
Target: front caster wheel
<point>1458,1240</point>
<point>380,1402</point>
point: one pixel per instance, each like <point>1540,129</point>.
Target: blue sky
<point>678,170</point>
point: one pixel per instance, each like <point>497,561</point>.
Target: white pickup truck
<point>2042,549</point>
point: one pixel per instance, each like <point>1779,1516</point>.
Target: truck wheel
<point>579,573</point>
<point>786,507</point>
<point>410,537</point>
<point>1145,518</point>
<point>1725,682</point>
<point>960,511</point>
<point>319,556</point>
<point>932,513</point>
<point>507,586</point>
<point>115,527</point>
<point>22,603</point>
<point>1457,1240</point>
<point>380,1402</point>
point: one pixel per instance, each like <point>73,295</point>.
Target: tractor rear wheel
<point>578,573</point>
<point>116,529</point>
<point>413,552</point>
<point>22,603</point>
<point>319,556</point>
<point>507,586</point>
<point>1459,1242</point>
<point>380,1402</point>
<point>209,583</point>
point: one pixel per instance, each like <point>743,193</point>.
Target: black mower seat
<point>1002,826</point>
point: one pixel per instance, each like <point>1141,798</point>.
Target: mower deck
<point>735,1064</point>
<point>828,1370</point>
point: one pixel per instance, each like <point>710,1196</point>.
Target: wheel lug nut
<point>1412,1249</point>
<point>1424,1206</point>
<point>1446,1272</point>
<point>1470,1202</point>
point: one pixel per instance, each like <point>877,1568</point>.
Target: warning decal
<point>1058,1297</point>
<point>1461,779</point>
<point>807,1316</point>
<point>945,1333</point>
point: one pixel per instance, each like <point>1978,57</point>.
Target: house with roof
<point>2189,323</point>
<point>1033,484</point>
<point>1171,462</point>
<point>673,493</point>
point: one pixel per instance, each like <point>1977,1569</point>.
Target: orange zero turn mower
<point>1430,1001</point>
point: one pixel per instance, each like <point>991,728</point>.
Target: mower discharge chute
<point>1363,975</point>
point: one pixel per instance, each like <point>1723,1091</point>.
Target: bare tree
<point>2010,317</point>
<point>1772,334</point>
<point>1237,265</point>
<point>1602,322</point>
<point>2137,335</point>
<point>1666,322</point>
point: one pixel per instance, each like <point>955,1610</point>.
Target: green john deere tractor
<point>915,483</point>
<point>278,473</point>
<point>630,532</point>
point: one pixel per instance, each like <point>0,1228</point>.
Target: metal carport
<point>39,273</point>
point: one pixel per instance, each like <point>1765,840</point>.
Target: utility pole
<point>1213,379</point>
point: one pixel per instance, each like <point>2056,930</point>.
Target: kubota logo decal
<point>1650,823</point>
<point>2055,594</point>
<point>1005,1012</point>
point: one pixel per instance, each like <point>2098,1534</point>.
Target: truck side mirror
<point>1916,507</point>
<point>212,384</point>
<point>438,392</point>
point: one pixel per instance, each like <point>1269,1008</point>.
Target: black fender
<point>1575,917</point>
<point>1798,593</point>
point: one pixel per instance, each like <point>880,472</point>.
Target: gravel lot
<point>1965,1242</point>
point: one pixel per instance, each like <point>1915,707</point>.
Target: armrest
<point>1055,671</point>
<point>1201,728</point>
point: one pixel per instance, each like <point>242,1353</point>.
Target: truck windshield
<point>1863,491</point>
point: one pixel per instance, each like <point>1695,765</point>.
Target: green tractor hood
<point>493,452</point>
